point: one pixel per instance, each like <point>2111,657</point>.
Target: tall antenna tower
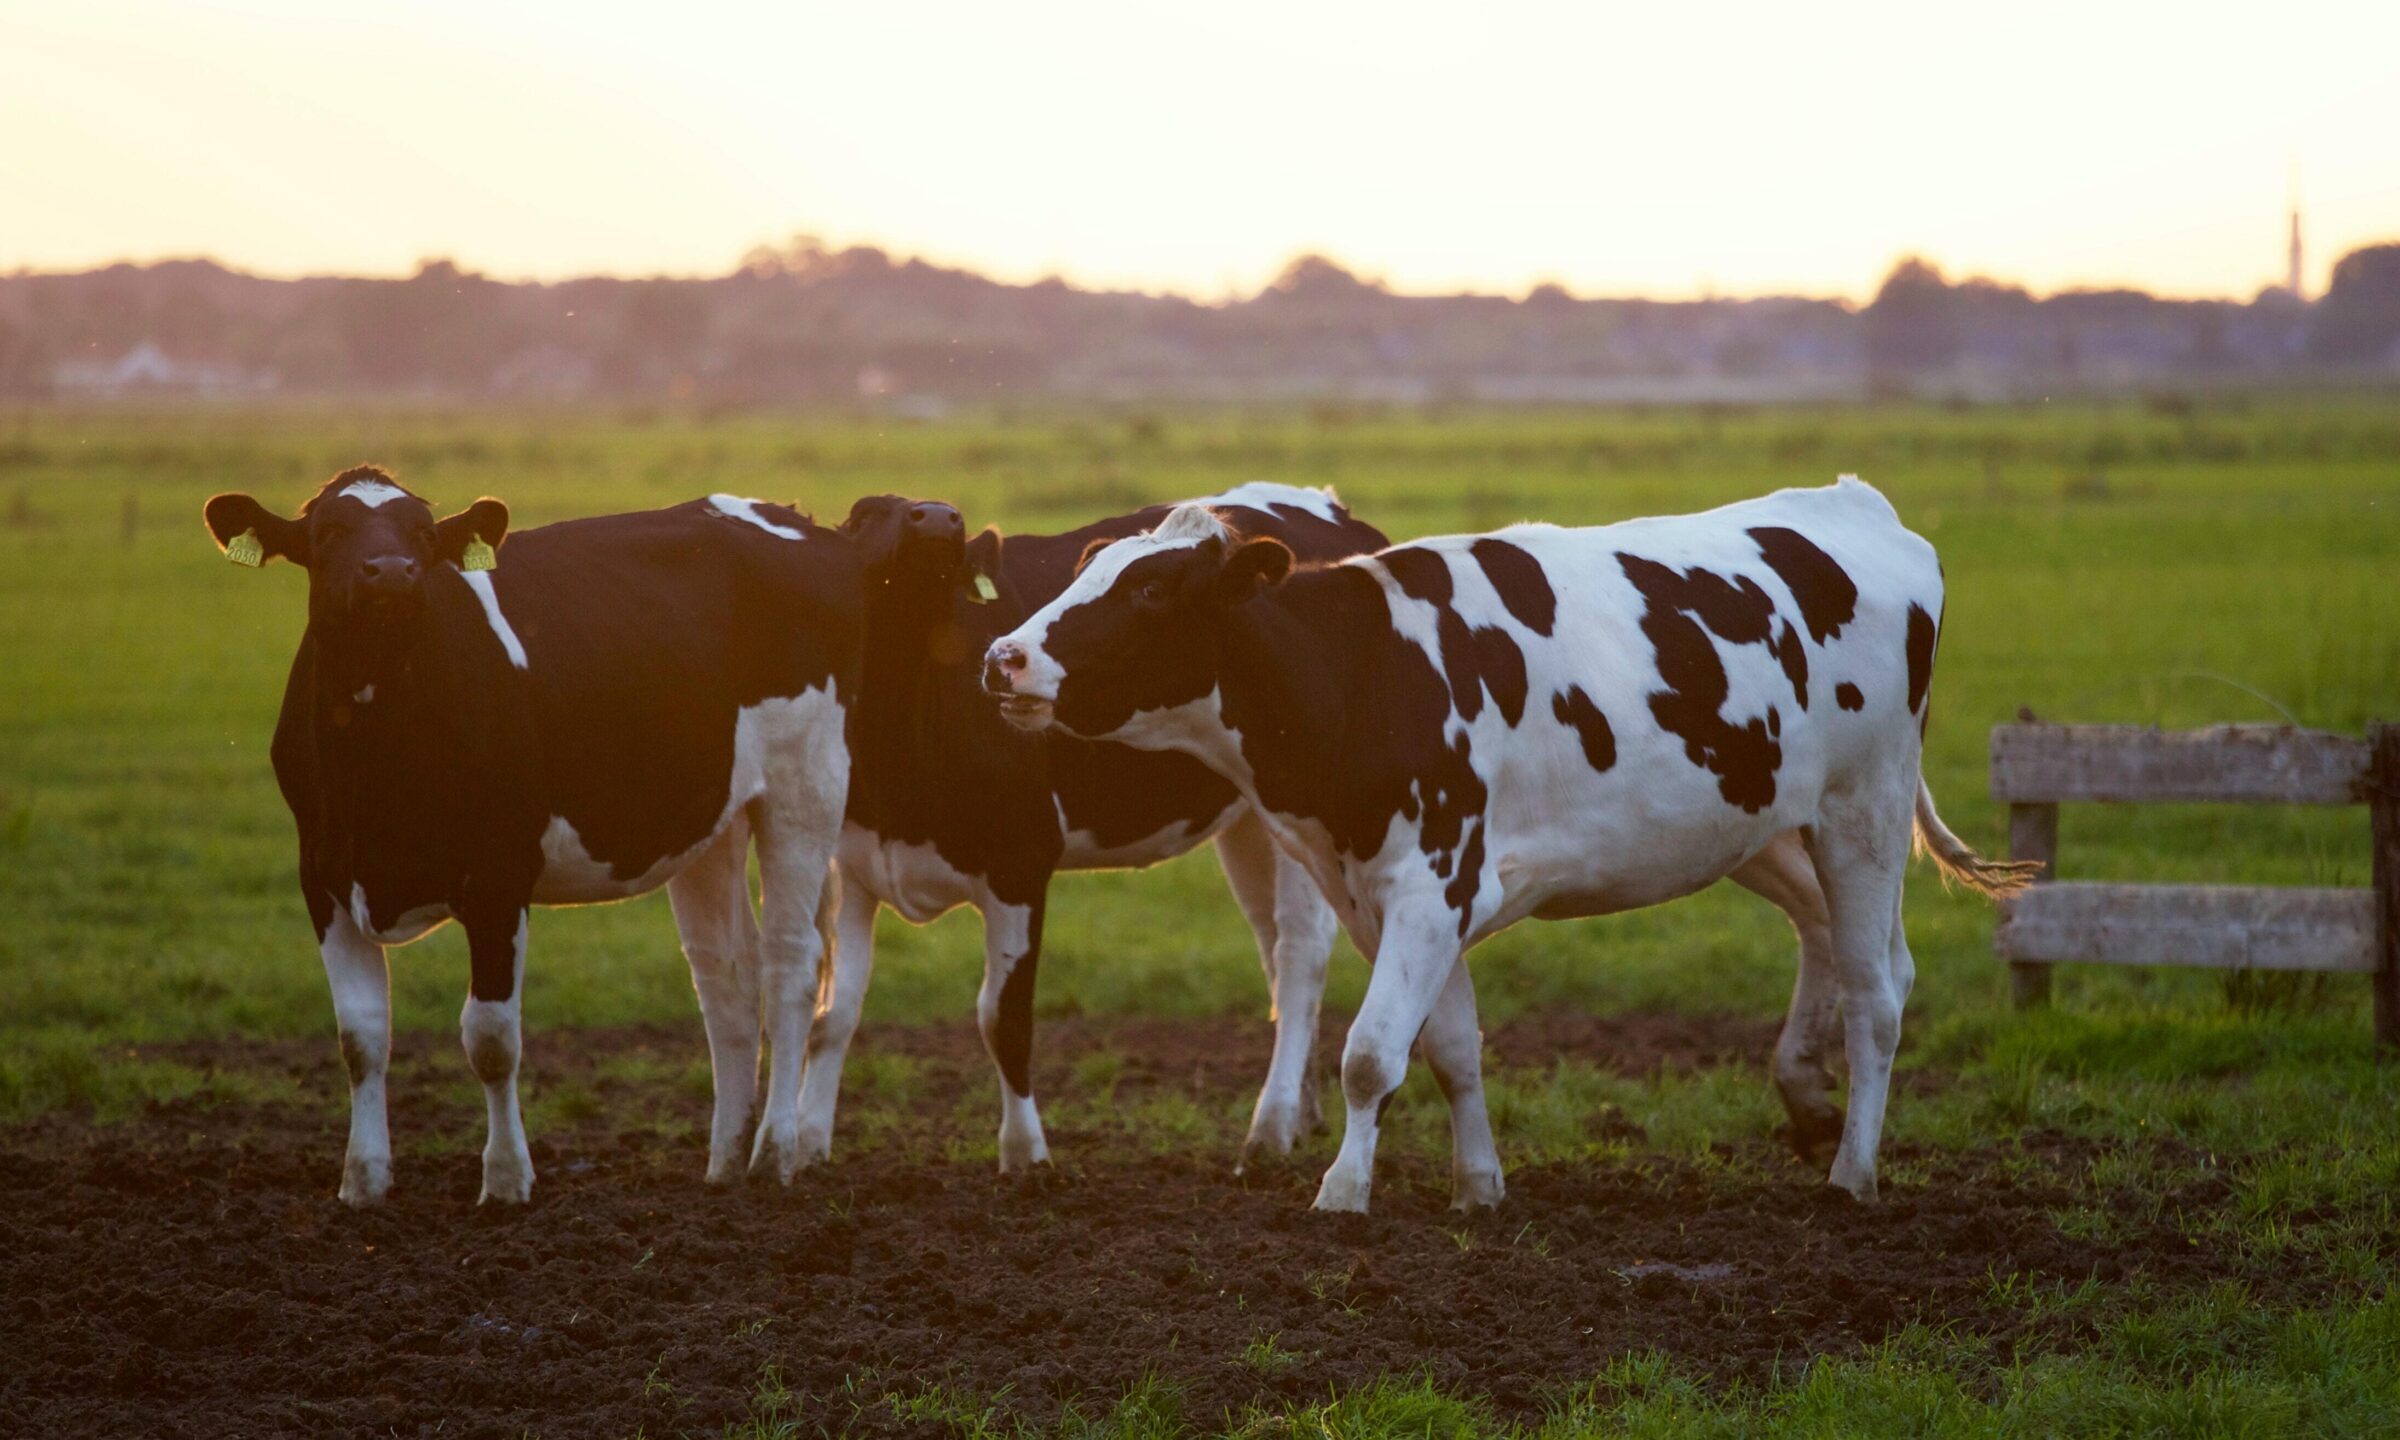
<point>2292,283</point>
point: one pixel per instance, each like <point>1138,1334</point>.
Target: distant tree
<point>2358,321</point>
<point>1317,277</point>
<point>1913,326</point>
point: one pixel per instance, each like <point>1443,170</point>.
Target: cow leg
<point>1413,960</point>
<point>839,1002</point>
<point>712,915</point>
<point>1860,844</point>
<point>1784,874</point>
<point>1295,929</point>
<point>1453,1045</point>
<point>1012,952</point>
<point>362,1010</point>
<point>491,1028</point>
<point>795,854</point>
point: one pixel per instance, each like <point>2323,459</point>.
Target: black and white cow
<point>626,702</point>
<point>1460,733</point>
<point>950,805</point>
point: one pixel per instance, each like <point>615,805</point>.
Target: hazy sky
<point>1651,149</point>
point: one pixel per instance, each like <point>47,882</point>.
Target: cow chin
<point>1029,713</point>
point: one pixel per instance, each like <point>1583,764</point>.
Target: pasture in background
<point>2104,564</point>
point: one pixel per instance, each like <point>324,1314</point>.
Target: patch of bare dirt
<point>188,1273</point>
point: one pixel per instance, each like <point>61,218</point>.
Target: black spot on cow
<point>1848,697</point>
<point>1678,604</point>
<point>1421,574</point>
<point>1576,710</point>
<point>1774,722</point>
<point>1476,659</point>
<point>1827,596</point>
<point>1921,632</point>
<point>1794,660</point>
<point>1520,583</point>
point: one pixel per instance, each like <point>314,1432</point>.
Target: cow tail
<point>1958,860</point>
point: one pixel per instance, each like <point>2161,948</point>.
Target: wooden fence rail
<point>2036,767</point>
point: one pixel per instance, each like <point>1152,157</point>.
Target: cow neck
<point>373,714</point>
<point>1281,685</point>
<point>904,692</point>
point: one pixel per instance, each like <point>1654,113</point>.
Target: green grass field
<point>2148,564</point>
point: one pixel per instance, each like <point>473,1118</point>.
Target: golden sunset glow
<point>1673,151</point>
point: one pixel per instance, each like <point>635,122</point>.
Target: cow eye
<point>425,536</point>
<point>1151,595</point>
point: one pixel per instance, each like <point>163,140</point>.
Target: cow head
<point>917,551</point>
<point>1137,629</point>
<point>366,542</point>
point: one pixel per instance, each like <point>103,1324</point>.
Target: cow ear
<point>1090,550</point>
<point>983,564</point>
<point>1253,566</point>
<point>483,523</point>
<point>251,534</point>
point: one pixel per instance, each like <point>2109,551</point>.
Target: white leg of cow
<point>1785,875</point>
<point>1453,1046</point>
<point>1861,848</point>
<point>712,915</point>
<point>839,1002</point>
<point>1295,932</point>
<point>362,1009</point>
<point>1413,960</point>
<point>492,1030</point>
<point>1012,951</point>
<point>795,853</point>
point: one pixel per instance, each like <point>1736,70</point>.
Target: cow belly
<point>911,877</point>
<point>571,876</point>
<point>1086,851</point>
<point>768,730</point>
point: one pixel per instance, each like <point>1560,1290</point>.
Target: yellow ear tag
<point>478,556</point>
<point>244,549</point>
<point>985,590</point>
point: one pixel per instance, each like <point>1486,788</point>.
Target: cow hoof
<point>1817,1137</point>
<point>1260,1155</point>
<point>1476,1190</point>
<point>1268,1141</point>
<point>1019,1154</point>
<point>1859,1187</point>
<point>365,1183</point>
<point>776,1152</point>
<point>507,1179</point>
<point>1341,1194</point>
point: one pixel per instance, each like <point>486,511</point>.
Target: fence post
<point>2032,835</point>
<point>2383,806</point>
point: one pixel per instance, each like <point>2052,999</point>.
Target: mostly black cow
<point>1461,733</point>
<point>626,703</point>
<point>950,805</point>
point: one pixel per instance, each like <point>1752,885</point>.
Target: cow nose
<point>387,574</point>
<point>935,521</point>
<point>1001,665</point>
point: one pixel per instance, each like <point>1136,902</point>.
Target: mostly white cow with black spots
<point>1457,734</point>
<point>950,805</point>
<point>621,703</point>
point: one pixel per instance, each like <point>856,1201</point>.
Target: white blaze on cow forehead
<point>480,581</point>
<point>1261,494</point>
<point>735,507</point>
<point>373,493</point>
<point>1185,526</point>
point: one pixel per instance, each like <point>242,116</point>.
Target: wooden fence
<point>2037,767</point>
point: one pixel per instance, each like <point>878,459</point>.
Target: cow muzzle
<point>1008,676</point>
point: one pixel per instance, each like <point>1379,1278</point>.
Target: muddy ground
<point>187,1271</point>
